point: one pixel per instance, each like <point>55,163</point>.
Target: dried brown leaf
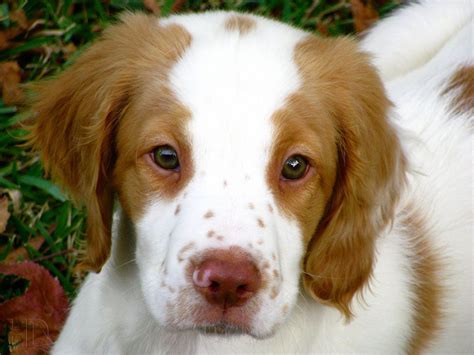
<point>7,35</point>
<point>4,214</point>
<point>364,13</point>
<point>36,317</point>
<point>19,18</point>
<point>10,78</point>
<point>178,4</point>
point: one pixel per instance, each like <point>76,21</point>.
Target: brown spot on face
<point>274,292</point>
<point>338,120</point>
<point>104,91</point>
<point>266,265</point>
<point>285,309</point>
<point>211,234</point>
<point>177,210</point>
<point>427,286</point>
<point>208,214</point>
<point>270,208</point>
<point>184,249</point>
<point>241,23</point>
<point>260,222</point>
<point>220,237</point>
<point>461,89</point>
<point>251,206</point>
<point>276,274</point>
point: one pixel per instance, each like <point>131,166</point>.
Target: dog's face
<point>247,155</point>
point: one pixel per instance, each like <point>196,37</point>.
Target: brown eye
<point>294,168</point>
<point>166,157</point>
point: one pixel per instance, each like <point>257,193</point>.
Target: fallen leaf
<point>364,14</point>
<point>35,318</point>
<point>322,28</point>
<point>19,18</point>
<point>178,4</point>
<point>7,35</point>
<point>10,78</point>
<point>152,6</point>
<point>21,253</point>
<point>4,214</point>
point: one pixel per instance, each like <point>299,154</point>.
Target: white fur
<point>123,309</point>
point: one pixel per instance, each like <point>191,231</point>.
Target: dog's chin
<point>224,330</point>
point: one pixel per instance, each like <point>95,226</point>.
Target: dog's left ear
<point>77,113</point>
<point>370,170</point>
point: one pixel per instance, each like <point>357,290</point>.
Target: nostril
<point>214,286</point>
<point>242,290</point>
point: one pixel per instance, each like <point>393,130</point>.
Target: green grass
<point>62,30</point>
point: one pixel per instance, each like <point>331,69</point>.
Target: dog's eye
<point>166,157</point>
<point>294,168</point>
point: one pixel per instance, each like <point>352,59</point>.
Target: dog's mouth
<point>223,329</point>
<point>224,321</point>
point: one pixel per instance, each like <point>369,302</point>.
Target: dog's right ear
<point>77,113</point>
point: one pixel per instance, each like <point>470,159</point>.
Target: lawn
<point>39,38</point>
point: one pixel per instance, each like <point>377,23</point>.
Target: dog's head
<point>249,157</point>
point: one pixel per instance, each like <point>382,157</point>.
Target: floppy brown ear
<point>77,114</point>
<point>370,174</point>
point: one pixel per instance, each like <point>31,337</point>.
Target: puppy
<point>253,188</point>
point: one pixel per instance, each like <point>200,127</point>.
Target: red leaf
<point>36,317</point>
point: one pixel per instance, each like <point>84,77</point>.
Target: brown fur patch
<point>241,23</point>
<point>261,223</point>
<point>211,234</point>
<point>427,265</point>
<point>461,86</point>
<point>338,121</point>
<point>80,114</point>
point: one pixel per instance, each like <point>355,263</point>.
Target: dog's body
<point>417,295</point>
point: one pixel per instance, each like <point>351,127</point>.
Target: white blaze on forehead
<point>232,84</point>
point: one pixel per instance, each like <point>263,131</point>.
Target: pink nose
<point>227,279</point>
